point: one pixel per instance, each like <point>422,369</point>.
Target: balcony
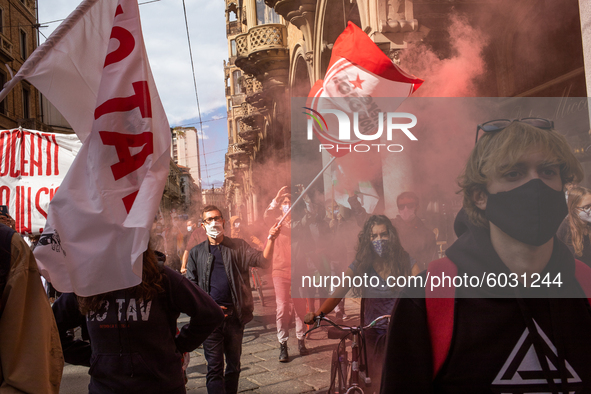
<point>254,93</point>
<point>251,85</point>
<point>262,49</point>
<point>300,13</point>
<point>290,9</point>
<point>248,133</point>
<point>236,152</point>
<point>251,116</point>
<point>246,146</point>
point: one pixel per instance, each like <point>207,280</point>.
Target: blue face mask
<point>379,245</point>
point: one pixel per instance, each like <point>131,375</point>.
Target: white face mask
<point>407,214</point>
<point>585,216</point>
<point>189,228</point>
<point>214,229</point>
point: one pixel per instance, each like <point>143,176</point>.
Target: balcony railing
<point>261,38</point>
<point>264,37</point>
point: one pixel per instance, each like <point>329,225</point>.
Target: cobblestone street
<point>261,370</point>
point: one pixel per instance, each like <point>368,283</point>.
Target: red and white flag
<point>358,73</point>
<point>95,70</point>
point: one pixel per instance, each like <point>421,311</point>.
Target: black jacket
<point>238,257</point>
<point>134,347</point>
<point>492,347</point>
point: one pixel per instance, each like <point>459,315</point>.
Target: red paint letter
<point>48,152</point>
<point>140,99</point>
<point>56,150</point>
<point>5,151</point>
<point>37,197</point>
<point>14,137</point>
<point>5,190</point>
<point>24,153</point>
<point>126,45</point>
<point>122,142</point>
<point>39,162</point>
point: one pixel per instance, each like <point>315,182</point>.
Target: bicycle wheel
<point>338,372</point>
<point>354,390</point>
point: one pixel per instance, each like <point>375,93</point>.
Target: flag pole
<point>40,52</point>
<point>305,190</point>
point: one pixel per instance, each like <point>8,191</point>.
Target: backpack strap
<point>440,302</point>
<point>583,275</point>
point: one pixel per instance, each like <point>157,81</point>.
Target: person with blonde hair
<point>528,333</point>
<point>575,230</point>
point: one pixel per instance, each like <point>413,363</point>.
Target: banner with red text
<point>99,220</point>
<point>32,167</point>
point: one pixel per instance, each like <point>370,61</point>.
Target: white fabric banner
<point>99,220</point>
<point>32,166</point>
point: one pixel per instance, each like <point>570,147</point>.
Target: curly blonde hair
<point>497,151</point>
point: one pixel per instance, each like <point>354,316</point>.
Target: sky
<point>165,36</point>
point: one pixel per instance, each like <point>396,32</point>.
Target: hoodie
<point>134,346</point>
<point>504,340</point>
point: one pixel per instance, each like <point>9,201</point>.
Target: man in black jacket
<point>520,322</point>
<point>221,267</point>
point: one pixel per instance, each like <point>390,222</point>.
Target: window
<point>236,79</point>
<point>23,42</point>
<point>233,16</point>
<point>26,102</point>
<point>1,20</point>
<point>266,14</point>
<point>233,45</point>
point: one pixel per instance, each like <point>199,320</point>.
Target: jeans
<point>226,340</point>
<point>285,306</point>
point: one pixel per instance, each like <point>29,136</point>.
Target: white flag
<point>99,220</point>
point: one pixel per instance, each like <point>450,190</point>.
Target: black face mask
<point>530,213</point>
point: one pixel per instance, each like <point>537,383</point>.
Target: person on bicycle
<point>379,256</point>
<point>512,336</point>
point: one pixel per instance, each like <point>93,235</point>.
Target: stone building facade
<point>18,39</point>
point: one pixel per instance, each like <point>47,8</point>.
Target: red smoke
<point>455,76</point>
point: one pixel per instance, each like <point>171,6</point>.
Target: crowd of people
<point>515,223</point>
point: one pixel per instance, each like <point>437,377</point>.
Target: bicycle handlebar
<point>319,319</point>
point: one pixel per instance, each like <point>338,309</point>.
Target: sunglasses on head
<point>493,126</point>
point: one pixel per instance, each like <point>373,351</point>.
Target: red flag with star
<point>358,70</point>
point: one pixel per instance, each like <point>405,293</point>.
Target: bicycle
<point>257,283</point>
<point>340,361</point>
